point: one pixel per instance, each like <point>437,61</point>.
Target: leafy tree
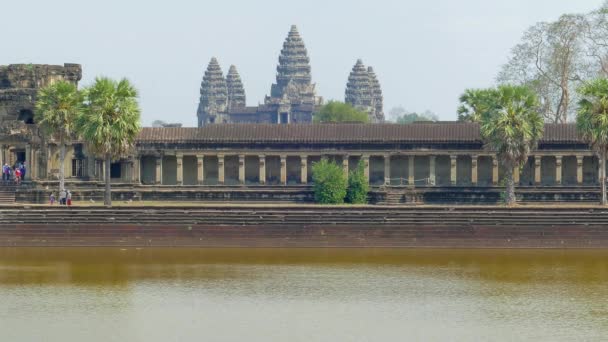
<point>477,102</point>
<point>329,182</point>
<point>509,124</point>
<point>592,122</point>
<point>110,122</point>
<point>335,111</point>
<point>57,107</point>
<point>412,117</point>
<point>358,186</point>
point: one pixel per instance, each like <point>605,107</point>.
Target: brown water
<point>110,294</point>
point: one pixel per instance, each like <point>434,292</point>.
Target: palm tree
<point>110,122</point>
<point>57,107</point>
<point>592,122</point>
<point>509,123</point>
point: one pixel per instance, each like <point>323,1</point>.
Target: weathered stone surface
<point>236,91</point>
<point>377,97</point>
<point>364,93</point>
<point>214,95</point>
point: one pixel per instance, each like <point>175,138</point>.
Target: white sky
<point>425,53</point>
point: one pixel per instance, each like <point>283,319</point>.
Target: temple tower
<point>293,72</point>
<point>214,95</point>
<point>236,92</point>
<point>364,93</point>
<point>378,99</point>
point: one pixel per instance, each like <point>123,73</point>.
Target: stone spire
<point>377,97</point>
<point>236,92</point>
<point>359,88</point>
<point>293,71</point>
<point>214,95</point>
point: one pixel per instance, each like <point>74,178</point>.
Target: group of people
<point>15,173</point>
<point>65,197</point>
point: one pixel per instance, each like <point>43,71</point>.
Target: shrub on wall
<point>358,186</point>
<point>329,182</point>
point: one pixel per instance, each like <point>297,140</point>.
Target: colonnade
<point>388,169</point>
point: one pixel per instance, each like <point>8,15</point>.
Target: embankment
<point>306,226</point>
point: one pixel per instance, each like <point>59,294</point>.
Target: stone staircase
<point>7,194</point>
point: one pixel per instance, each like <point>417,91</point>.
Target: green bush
<point>329,182</point>
<point>358,186</point>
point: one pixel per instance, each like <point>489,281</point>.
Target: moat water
<point>113,294</point>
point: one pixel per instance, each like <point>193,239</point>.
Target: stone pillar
<point>537,174</point>
<point>387,169</point>
<point>220,168</point>
<point>159,170</point>
<point>200,171</point>
<point>283,169</point>
<point>365,167</point>
<point>242,169</point>
<point>303,169</point>
<point>180,168</point>
<point>3,158</point>
<point>262,175</point>
<point>494,170</point>
<point>579,169</point>
<point>474,169</point>
<point>453,170</point>
<point>410,170</point>
<point>345,166</point>
<point>432,170</point>
<point>136,169</point>
<point>28,158</point>
<point>558,170</point>
<point>31,164</point>
<point>516,175</point>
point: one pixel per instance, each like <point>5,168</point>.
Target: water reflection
<point>302,294</point>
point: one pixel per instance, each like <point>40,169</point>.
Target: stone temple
<point>364,93</point>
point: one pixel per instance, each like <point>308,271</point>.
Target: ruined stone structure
<point>422,162</point>
<point>292,98</point>
<point>364,93</point>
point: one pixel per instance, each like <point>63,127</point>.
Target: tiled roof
<point>339,133</point>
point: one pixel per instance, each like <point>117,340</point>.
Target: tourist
<point>62,196</point>
<point>6,172</point>
<point>17,175</point>
<point>69,198</point>
<point>22,169</point>
<point>52,198</point>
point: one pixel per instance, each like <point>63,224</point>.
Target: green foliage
<point>509,124</point>
<point>329,182</point>
<point>592,122</point>
<point>409,118</point>
<point>358,186</point>
<point>335,111</point>
<point>110,122</point>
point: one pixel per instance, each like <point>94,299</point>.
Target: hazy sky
<point>425,52</point>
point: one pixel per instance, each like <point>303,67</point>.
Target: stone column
<point>494,170</point>
<point>474,169</point>
<point>345,166</point>
<point>387,169</point>
<point>220,168</point>
<point>200,171</point>
<point>432,170</point>
<point>262,175</point>
<point>516,175</point>
<point>537,174</point>
<point>136,169</point>
<point>558,170</point>
<point>579,169</point>
<point>3,158</point>
<point>242,169</point>
<point>303,169</point>
<point>453,170</point>
<point>28,158</point>
<point>283,169</point>
<point>31,165</point>
<point>180,168</point>
<point>365,167</point>
<point>410,170</point>
<point>159,170</point>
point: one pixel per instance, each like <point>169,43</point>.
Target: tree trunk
<point>62,165</point>
<point>603,175</point>
<point>107,199</point>
<point>510,198</point>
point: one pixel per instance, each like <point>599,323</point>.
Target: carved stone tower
<point>214,95</point>
<point>364,93</point>
<point>293,72</point>
<point>236,92</point>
